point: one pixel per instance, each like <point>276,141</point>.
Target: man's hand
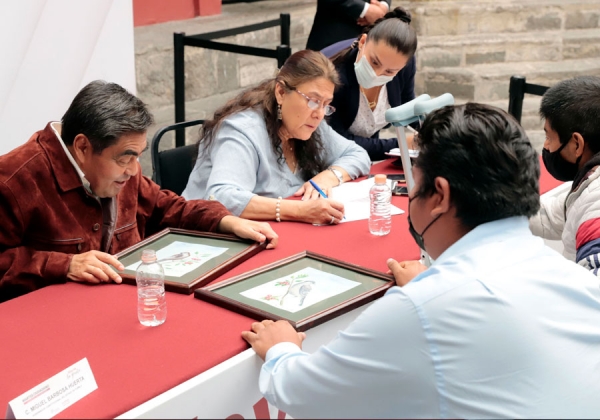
<point>92,267</point>
<point>375,11</point>
<point>266,334</point>
<point>405,271</point>
<point>249,229</point>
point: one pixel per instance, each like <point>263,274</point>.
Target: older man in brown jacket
<point>74,194</point>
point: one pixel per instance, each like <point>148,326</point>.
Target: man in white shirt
<point>499,326</point>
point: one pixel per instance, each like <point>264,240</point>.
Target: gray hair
<point>104,112</point>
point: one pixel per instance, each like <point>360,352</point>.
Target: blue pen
<point>319,190</point>
<point>316,187</point>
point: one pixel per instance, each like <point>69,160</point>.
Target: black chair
<point>171,168</point>
<point>516,92</point>
<point>333,49</point>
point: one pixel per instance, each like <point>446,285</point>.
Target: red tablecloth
<point>50,329</point>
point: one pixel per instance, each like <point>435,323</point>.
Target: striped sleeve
<point>588,245</point>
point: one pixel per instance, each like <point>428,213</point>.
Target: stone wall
<point>467,47</point>
<point>210,72</point>
<point>211,77</point>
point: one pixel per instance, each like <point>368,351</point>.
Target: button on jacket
<point>46,215</point>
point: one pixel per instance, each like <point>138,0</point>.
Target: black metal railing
<point>516,93</point>
<point>181,40</point>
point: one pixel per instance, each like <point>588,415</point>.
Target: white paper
<point>412,153</point>
<point>179,258</point>
<point>54,395</point>
<point>355,197</point>
<point>300,290</point>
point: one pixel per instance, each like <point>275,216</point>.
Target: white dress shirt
<point>364,12</point>
<point>367,121</point>
<point>500,326</point>
<point>57,128</point>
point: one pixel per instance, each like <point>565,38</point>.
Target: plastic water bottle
<point>380,218</point>
<point>150,279</point>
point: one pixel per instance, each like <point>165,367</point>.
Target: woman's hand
<point>326,180</point>
<point>322,212</point>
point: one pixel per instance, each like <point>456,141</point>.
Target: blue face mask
<point>366,76</point>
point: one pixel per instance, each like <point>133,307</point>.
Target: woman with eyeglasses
<point>377,73</point>
<point>267,143</point>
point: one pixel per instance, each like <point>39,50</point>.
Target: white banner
<point>50,49</point>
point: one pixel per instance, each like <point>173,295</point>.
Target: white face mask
<point>366,76</point>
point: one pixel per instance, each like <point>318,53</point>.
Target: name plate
<point>55,394</point>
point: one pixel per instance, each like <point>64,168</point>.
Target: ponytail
<point>393,28</point>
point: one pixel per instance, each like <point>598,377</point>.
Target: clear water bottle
<point>150,279</point>
<point>380,217</point>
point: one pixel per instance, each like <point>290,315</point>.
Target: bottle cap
<point>380,178</point>
<point>148,255</point>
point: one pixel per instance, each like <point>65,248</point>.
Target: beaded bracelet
<point>278,210</point>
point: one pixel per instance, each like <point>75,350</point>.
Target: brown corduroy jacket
<point>46,215</point>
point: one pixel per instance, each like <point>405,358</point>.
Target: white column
<point>49,50</point>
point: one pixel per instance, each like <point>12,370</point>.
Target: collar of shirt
<point>57,128</point>
<point>470,258</point>
<point>480,236</point>
<point>486,233</point>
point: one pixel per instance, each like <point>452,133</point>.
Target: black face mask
<point>558,167</point>
<point>418,237</point>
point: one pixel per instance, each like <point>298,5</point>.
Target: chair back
<point>171,168</point>
<point>333,49</point>
<point>516,93</point>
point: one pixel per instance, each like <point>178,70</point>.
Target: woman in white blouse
<point>376,73</point>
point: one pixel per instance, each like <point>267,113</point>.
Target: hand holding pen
<point>308,192</point>
<point>320,191</point>
<point>316,211</point>
<point>316,187</point>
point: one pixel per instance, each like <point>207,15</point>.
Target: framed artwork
<point>305,289</point>
<point>190,259</point>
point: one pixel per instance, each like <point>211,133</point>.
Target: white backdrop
<point>49,50</point>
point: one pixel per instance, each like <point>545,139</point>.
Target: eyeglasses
<point>315,103</point>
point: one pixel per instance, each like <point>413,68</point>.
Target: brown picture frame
<point>216,293</point>
<point>240,251</point>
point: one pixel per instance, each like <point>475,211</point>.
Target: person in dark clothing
<point>336,20</point>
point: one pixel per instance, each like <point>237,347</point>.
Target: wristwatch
<point>338,174</point>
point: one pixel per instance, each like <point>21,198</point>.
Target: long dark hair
<point>301,67</point>
<point>394,29</point>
